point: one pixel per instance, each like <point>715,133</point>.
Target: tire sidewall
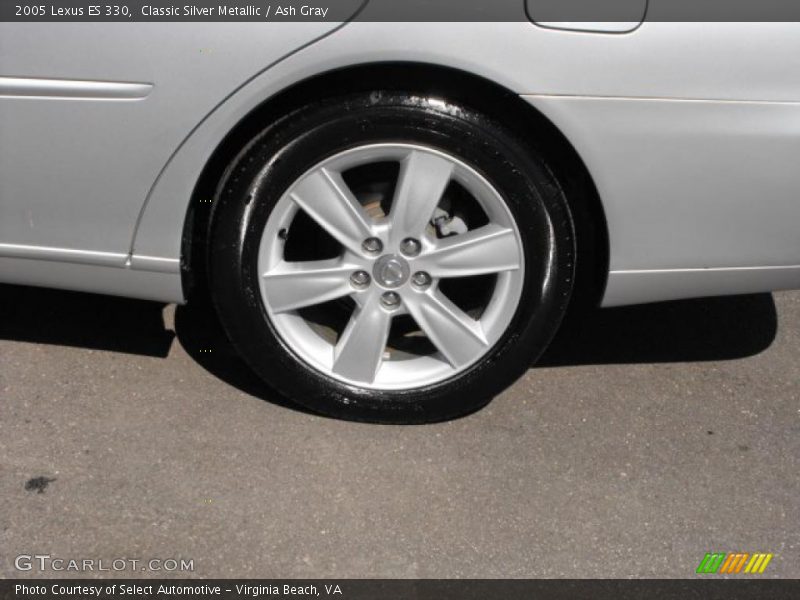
<point>278,156</point>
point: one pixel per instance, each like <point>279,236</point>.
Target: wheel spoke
<point>324,195</point>
<point>294,285</point>
<point>457,336</point>
<point>359,352</point>
<point>488,249</point>
<point>422,181</point>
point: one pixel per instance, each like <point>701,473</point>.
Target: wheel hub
<point>391,271</point>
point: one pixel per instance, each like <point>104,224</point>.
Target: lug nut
<point>359,279</point>
<point>372,246</point>
<point>390,300</point>
<point>410,247</point>
<point>421,280</point>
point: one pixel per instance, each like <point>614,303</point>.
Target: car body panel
<point>89,119</point>
<point>690,134</point>
<point>700,197</point>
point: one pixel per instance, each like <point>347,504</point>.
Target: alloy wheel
<point>391,266</point>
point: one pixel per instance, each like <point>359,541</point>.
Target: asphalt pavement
<point>646,437</point>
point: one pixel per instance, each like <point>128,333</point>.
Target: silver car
<point>392,218</point>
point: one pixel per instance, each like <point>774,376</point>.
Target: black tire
<point>282,152</point>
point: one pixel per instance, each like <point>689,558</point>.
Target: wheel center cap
<point>391,271</point>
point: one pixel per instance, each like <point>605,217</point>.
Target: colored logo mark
<point>733,563</point>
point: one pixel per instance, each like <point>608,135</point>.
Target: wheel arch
<point>538,132</point>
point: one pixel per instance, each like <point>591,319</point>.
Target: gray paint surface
<point>75,171</point>
<point>597,464</point>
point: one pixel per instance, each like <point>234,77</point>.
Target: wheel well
<point>481,94</point>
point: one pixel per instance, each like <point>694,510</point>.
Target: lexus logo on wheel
<point>391,271</point>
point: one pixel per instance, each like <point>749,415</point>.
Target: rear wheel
<point>390,258</point>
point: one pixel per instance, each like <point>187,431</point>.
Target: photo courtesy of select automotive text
<point>399,300</point>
